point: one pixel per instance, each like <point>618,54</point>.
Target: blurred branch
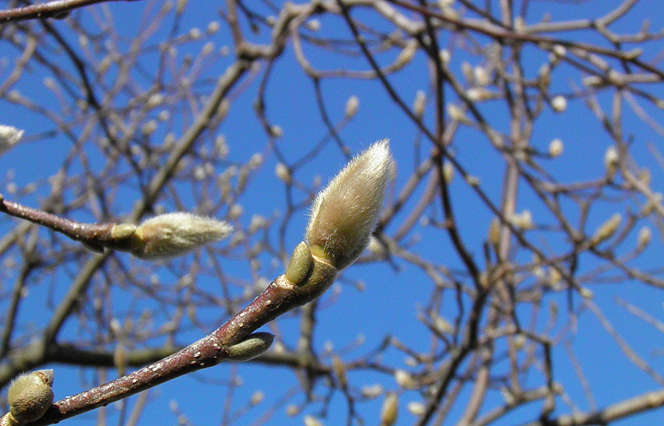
<point>52,9</point>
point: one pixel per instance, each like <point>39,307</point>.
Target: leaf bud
<point>29,396</point>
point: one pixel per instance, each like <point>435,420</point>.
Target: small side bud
<point>420,103</point>
<point>494,231</point>
<point>29,396</point>
<point>174,234</point>
<point>643,239</point>
<point>250,347</point>
<point>345,212</point>
<point>300,265</point>
<point>340,371</point>
<point>611,160</point>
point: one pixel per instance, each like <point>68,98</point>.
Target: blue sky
<point>391,300</point>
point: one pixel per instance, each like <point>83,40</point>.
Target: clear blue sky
<point>390,301</point>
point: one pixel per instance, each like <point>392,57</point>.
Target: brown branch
<point>53,9</point>
<point>620,410</point>
<point>280,296</point>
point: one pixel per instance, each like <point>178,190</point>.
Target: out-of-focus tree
<point>516,229</point>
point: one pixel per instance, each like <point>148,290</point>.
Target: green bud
<point>300,265</point>
<point>29,396</point>
<point>250,347</point>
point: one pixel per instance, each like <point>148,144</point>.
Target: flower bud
<point>282,172</point>
<point>311,421</point>
<point>345,212</point>
<point>174,234</point>
<point>352,104</point>
<point>643,239</point>
<point>390,410</point>
<point>416,408</point>
<point>420,103</point>
<point>555,148</point>
<point>9,136</point>
<point>611,159</point>
<point>256,398</point>
<point>407,54</point>
<point>29,396</point>
<point>340,371</point>
<point>606,230</point>
<point>559,103</point>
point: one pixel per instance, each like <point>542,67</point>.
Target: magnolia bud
<point>611,159</point>
<point>416,408</point>
<point>494,231</point>
<point>405,380</point>
<point>559,104</point>
<point>372,391</point>
<point>420,103</point>
<point>174,234</point>
<point>555,147</point>
<point>407,54</point>
<point>282,172</point>
<point>607,229</point>
<point>29,396</point>
<point>9,136</point>
<point>256,398</point>
<point>345,212</point>
<point>352,104</point>
<point>390,410</point>
<point>311,421</point>
<point>643,238</point>
<point>340,371</point>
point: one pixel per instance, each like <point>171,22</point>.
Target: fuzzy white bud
<point>611,159</point>
<point>282,172</point>
<point>523,220</point>
<point>456,113</point>
<point>607,229</point>
<point>444,56</point>
<point>345,212</point>
<point>416,408</point>
<point>9,136</point>
<point>257,397</point>
<point>405,380</point>
<point>407,54</point>
<point>481,76</point>
<point>643,239</point>
<point>276,131</point>
<point>213,27</point>
<point>311,421</point>
<point>313,25</point>
<point>352,104</point>
<point>420,103</point>
<point>559,103</point>
<point>174,234</point>
<point>555,148</point>
<point>372,391</point>
<point>448,172</point>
